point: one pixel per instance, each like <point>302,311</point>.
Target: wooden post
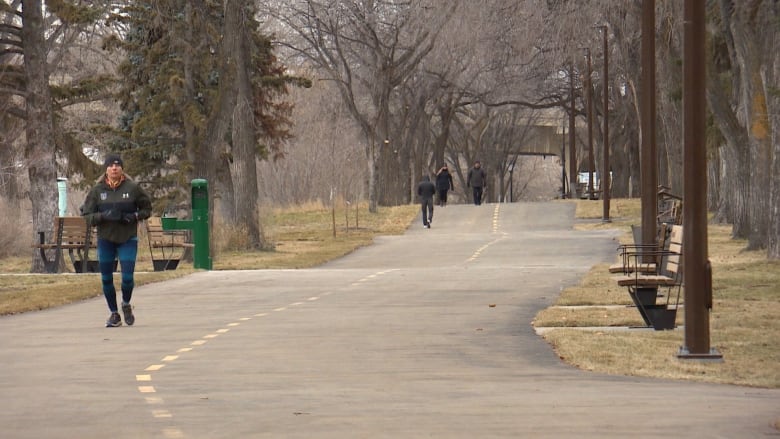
<point>606,181</point>
<point>589,104</point>
<point>696,268</point>
<point>573,177</point>
<point>649,158</point>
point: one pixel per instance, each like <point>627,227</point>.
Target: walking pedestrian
<point>426,191</point>
<point>115,205</point>
<point>477,180</point>
<point>443,184</point>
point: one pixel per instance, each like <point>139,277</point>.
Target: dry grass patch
<point>596,288</point>
<point>558,316</point>
<point>652,354</point>
<point>622,213</point>
<point>32,292</point>
<point>743,326</point>
<point>303,236</point>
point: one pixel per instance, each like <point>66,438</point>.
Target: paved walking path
<point>397,340</point>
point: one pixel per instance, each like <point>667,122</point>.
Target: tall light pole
<point>606,178</point>
<point>573,171</point>
<point>649,159</point>
<point>698,273</point>
<point>589,94</point>
<point>563,161</point>
<point>512,180</point>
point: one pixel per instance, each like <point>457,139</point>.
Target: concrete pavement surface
<point>397,340</point>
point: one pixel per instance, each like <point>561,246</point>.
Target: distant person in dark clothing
<point>477,181</point>
<point>443,184</point>
<point>426,191</point>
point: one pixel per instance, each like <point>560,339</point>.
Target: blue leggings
<point>107,253</point>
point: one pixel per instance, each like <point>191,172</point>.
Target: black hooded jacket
<point>107,208</point>
<point>426,189</point>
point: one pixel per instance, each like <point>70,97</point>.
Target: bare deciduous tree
<point>368,48</point>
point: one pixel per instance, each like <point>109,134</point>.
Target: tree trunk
<point>749,49</point>
<point>243,167</point>
<point>41,164</point>
<point>213,156</point>
<point>724,193</point>
<point>713,180</point>
<point>371,161</point>
<point>735,188</point>
<point>761,161</point>
<point>773,107</point>
<point>773,241</point>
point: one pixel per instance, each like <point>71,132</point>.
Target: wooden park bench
<point>669,206</point>
<point>643,287</point>
<point>72,234</point>
<point>166,246</point>
<point>649,264</point>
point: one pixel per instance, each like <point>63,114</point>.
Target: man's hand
<point>130,218</point>
<point>110,215</point>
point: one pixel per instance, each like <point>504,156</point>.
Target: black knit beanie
<point>111,159</point>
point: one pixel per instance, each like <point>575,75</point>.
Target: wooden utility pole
<point>606,177</point>
<point>589,104</point>
<point>573,177</point>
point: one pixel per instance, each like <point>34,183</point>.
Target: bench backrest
<point>74,230</point>
<point>672,265</point>
<point>162,238</point>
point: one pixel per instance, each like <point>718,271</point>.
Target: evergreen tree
<point>173,78</point>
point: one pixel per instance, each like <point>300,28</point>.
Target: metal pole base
<point>713,355</point>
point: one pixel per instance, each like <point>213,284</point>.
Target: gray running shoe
<point>113,320</point>
<point>127,310</point>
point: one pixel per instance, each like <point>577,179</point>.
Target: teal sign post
<point>199,224</point>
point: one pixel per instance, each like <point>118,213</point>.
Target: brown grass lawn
<point>744,323</point>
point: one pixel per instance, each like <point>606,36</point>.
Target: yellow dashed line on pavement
<point>495,218</point>
<point>477,253</point>
<point>161,414</point>
<point>174,432</point>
